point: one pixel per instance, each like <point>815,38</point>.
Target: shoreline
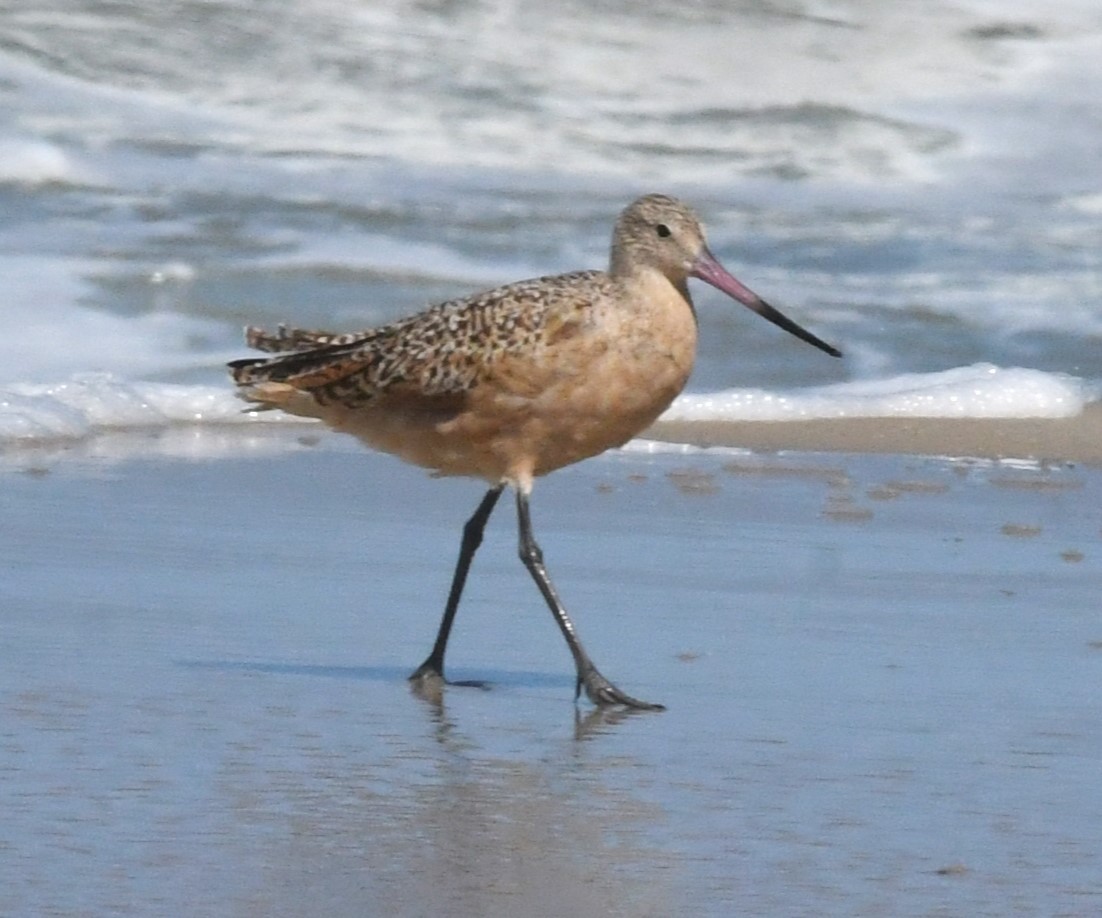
<point>1074,439</point>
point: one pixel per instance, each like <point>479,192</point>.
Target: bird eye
<point>662,230</point>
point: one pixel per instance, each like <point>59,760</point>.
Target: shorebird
<point>516,382</point>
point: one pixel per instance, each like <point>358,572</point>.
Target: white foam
<point>92,403</point>
<point>36,162</point>
<point>647,447</point>
<point>978,391</point>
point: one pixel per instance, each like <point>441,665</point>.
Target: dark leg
<point>597,687</point>
<point>472,538</point>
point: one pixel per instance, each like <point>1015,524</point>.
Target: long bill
<point>709,270</point>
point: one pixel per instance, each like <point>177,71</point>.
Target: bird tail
<point>286,339</point>
<point>305,365</point>
<point>261,380</point>
<point>268,396</point>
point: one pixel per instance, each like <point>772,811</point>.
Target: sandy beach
<point>881,674</point>
<point>1071,439</point>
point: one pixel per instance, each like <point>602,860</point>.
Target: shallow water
<point>881,676</point>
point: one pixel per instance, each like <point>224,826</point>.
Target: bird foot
<point>429,671</point>
<point>428,674</point>
<point>604,694</point>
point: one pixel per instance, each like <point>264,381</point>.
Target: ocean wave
<point>899,188</point>
<point>94,403</point>
<point>978,391</point>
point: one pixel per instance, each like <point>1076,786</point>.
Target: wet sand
<point>1077,438</point>
<point>881,671</point>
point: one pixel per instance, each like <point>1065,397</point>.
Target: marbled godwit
<point>516,382</point>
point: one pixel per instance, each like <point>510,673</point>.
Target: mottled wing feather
<point>445,350</point>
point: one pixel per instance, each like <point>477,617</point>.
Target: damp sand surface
<point>881,674</point>
<point>1075,438</point>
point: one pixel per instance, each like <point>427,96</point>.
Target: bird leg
<point>472,538</point>
<point>597,688</point>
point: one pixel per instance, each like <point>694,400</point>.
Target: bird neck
<point>648,285</point>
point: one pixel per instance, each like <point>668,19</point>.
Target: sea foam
<point>92,403</point>
<point>95,402</point>
<point>34,162</point>
<point>979,391</point>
